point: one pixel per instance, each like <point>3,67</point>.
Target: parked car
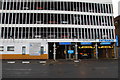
<point>39,8</point>
<point>38,36</point>
<point>84,54</point>
<point>65,36</point>
<point>51,36</point>
<point>25,8</point>
<point>38,22</point>
<point>52,22</point>
<point>64,22</point>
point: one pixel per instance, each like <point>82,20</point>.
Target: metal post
<point>76,52</point>
<point>54,53</point>
<point>115,55</point>
<point>96,51</point>
<point>70,56</point>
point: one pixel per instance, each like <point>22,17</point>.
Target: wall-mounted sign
<point>106,40</point>
<point>87,47</point>
<point>117,40</point>
<point>105,43</point>
<point>34,49</point>
<point>64,43</point>
<point>70,51</point>
<point>87,40</point>
<point>105,47</point>
<point>86,43</point>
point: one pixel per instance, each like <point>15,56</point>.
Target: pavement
<point>85,68</point>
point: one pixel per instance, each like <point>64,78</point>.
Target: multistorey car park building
<point>56,29</point>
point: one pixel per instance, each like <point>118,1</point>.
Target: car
<point>38,22</point>
<point>25,8</point>
<point>39,8</point>
<point>38,36</point>
<point>91,10</point>
<point>65,36</point>
<point>85,54</point>
<point>51,36</point>
<point>52,22</point>
<point>64,22</point>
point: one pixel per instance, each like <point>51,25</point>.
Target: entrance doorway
<point>105,53</point>
<point>61,51</point>
<point>23,50</point>
<point>85,53</point>
<point>50,50</point>
<point>65,51</point>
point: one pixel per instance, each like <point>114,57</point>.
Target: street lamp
<point>76,50</point>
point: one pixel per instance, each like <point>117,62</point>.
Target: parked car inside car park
<point>38,22</point>
<point>39,8</point>
<point>65,36</point>
<point>85,54</point>
<point>25,8</point>
<point>38,36</point>
<point>52,22</point>
<point>51,36</point>
<point>64,22</point>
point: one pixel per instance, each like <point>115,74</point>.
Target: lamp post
<point>96,51</point>
<point>76,50</point>
<point>96,47</point>
<point>54,53</point>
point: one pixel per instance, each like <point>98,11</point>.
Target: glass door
<point>23,50</point>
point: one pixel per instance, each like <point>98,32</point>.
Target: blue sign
<point>70,51</point>
<point>86,43</point>
<point>117,42</point>
<point>106,40</point>
<point>105,43</point>
<point>64,43</point>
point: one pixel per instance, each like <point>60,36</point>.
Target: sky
<point>115,7</point>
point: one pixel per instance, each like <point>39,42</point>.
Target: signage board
<point>106,40</point>
<point>105,43</point>
<point>87,40</point>
<point>105,47</point>
<point>35,49</point>
<point>70,51</point>
<point>86,43</point>
<point>64,43</point>
<point>87,47</point>
<point>117,43</point>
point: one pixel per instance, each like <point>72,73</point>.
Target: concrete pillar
<point>115,54</point>
<point>76,51</point>
<point>69,54</point>
<point>106,53</point>
<point>96,51</point>
<point>65,52</point>
<point>54,53</point>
